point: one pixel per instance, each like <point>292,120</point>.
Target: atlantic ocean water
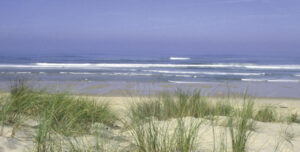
<point>280,74</point>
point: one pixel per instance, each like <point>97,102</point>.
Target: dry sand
<point>264,139</point>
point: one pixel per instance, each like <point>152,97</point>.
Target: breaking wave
<point>205,73</point>
<point>127,74</point>
<point>185,82</point>
<point>271,80</point>
<point>123,65</point>
<point>179,58</point>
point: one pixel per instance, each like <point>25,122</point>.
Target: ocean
<point>267,71</point>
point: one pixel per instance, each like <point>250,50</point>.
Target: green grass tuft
<point>240,126</point>
<point>293,118</point>
<point>266,114</point>
<point>159,136</point>
<point>70,115</point>
<point>180,104</point>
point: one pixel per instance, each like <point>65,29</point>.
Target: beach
<point>129,88</point>
<point>266,136</point>
<point>150,76</point>
<point>104,103</point>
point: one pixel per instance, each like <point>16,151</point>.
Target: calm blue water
<point>167,68</point>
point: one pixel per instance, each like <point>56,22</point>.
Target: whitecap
<point>254,80</point>
<point>205,73</point>
<point>225,73</point>
<point>179,58</point>
<point>123,65</point>
<point>127,74</point>
<point>186,76</point>
<point>184,82</point>
<point>171,72</point>
<point>80,73</point>
<point>274,67</point>
<point>283,80</point>
<point>23,72</point>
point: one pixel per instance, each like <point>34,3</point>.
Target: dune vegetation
<point>168,122</point>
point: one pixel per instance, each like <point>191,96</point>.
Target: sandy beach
<point>134,88</point>
<point>150,76</point>
<point>265,137</point>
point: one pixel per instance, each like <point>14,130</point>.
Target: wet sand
<point>124,88</point>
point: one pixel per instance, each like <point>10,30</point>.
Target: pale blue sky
<point>146,26</point>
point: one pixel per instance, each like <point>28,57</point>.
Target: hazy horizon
<point>241,27</point>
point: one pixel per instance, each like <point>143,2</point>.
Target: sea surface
<point>280,74</point>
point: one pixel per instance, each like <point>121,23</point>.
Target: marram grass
<point>69,115</point>
<point>266,114</point>
<point>156,124</point>
<point>162,136</point>
<point>180,104</point>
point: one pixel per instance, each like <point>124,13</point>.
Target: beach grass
<point>240,126</point>
<point>66,114</point>
<point>165,123</point>
<point>266,114</point>
<point>185,105</point>
<point>179,104</point>
<point>293,118</point>
<point>154,135</point>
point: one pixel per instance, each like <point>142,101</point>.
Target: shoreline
<point>157,94</point>
<point>129,88</point>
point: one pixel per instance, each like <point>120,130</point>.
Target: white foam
<point>140,74</point>
<point>121,65</point>
<point>111,65</point>
<point>23,72</point>
<point>179,58</point>
<point>184,82</point>
<point>282,80</point>
<point>297,75</point>
<point>7,72</point>
<point>186,76</point>
<point>205,73</point>
<point>172,72</point>
<point>272,80</point>
<point>77,73</point>
<point>61,65</point>
<point>254,80</point>
<point>274,67</point>
<point>225,73</point>
<point>42,72</point>
<point>128,74</point>
<point>81,73</point>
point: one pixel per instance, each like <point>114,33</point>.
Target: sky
<point>150,26</point>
